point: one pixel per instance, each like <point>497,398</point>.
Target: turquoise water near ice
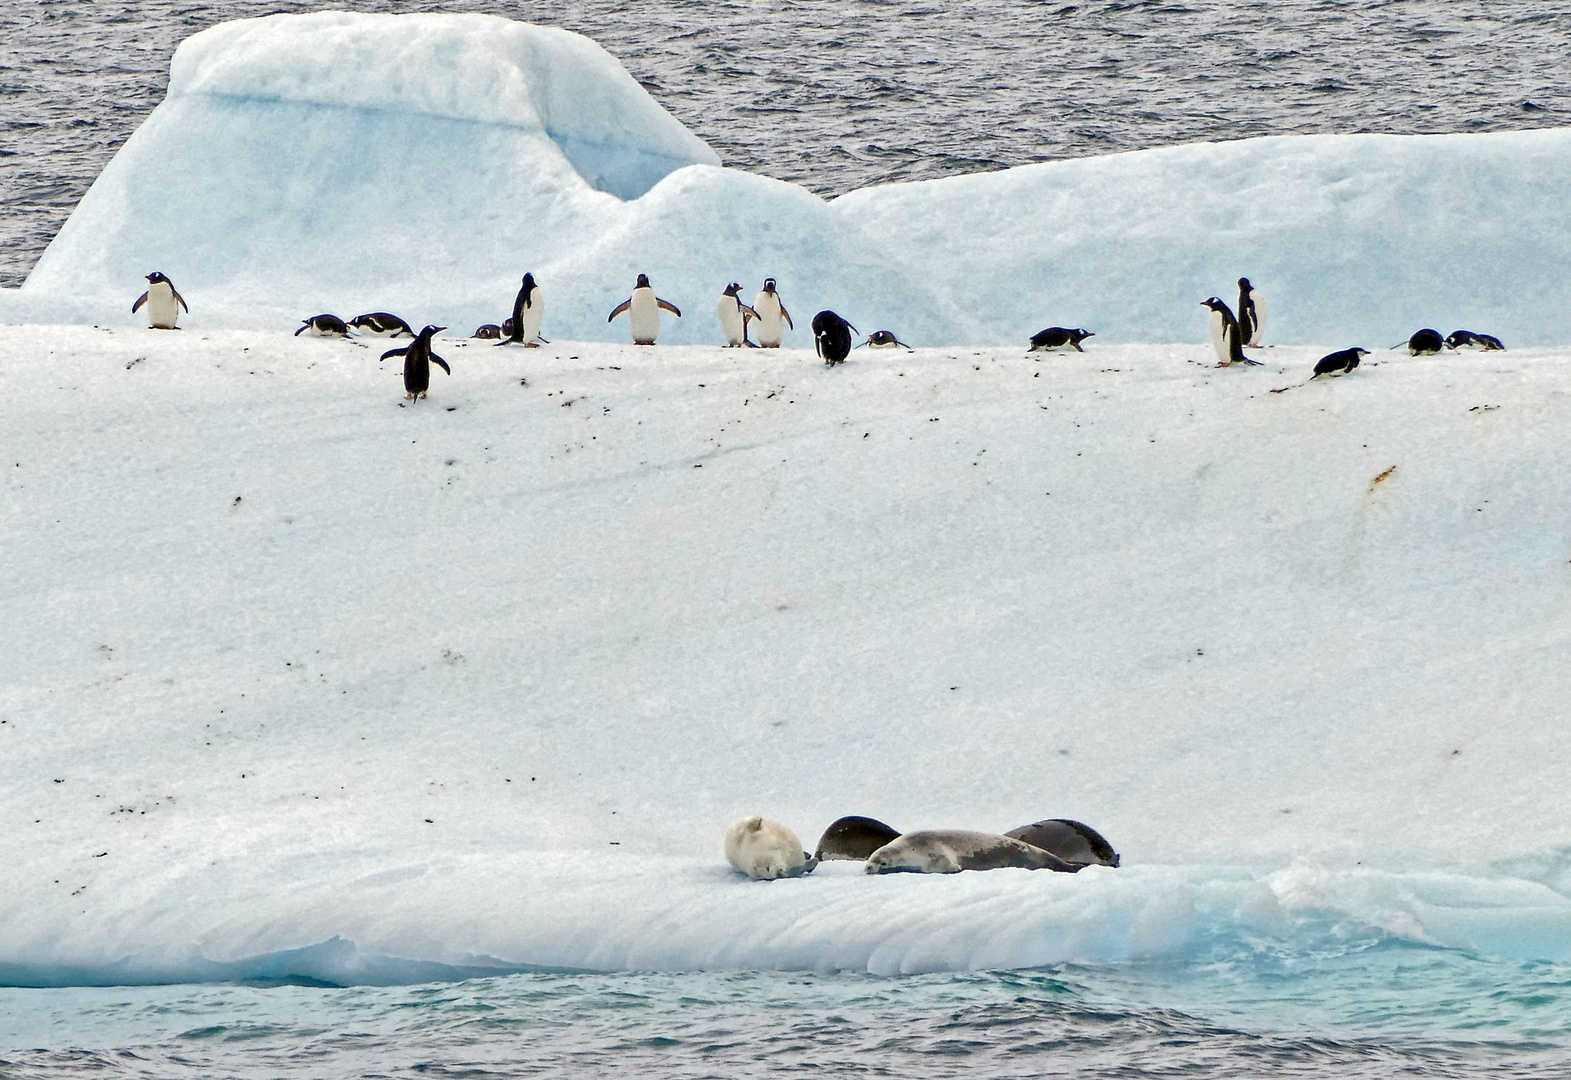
<point>1372,1009</point>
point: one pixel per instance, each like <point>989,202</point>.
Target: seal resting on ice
<point>949,851</point>
<point>765,850</point>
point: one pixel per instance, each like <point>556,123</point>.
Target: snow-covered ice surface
<point>300,682</point>
<point>421,163</point>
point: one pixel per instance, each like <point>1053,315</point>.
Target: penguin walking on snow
<point>324,326</point>
<point>381,324</point>
<point>163,303</point>
<point>734,317</point>
<point>1251,314</point>
<point>1338,363</point>
<point>1225,335</point>
<point>771,315</point>
<point>643,309</point>
<point>832,337</point>
<point>528,313</point>
<point>418,359</point>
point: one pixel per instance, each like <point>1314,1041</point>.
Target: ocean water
<point>838,95</point>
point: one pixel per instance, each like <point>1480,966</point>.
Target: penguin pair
<point>418,359</point>
<point>528,313</point>
<point>163,302</point>
<point>734,317</point>
<point>1226,335</point>
<point>643,309</point>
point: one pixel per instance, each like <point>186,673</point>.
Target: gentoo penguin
<point>381,324</point>
<point>1225,337</point>
<point>1425,342</point>
<point>418,359</point>
<point>507,327</point>
<point>163,303</point>
<point>1251,314</point>
<point>885,339</point>
<point>1338,362</point>
<point>643,309</point>
<point>489,332</point>
<point>1058,339</point>
<point>324,326</point>
<point>734,316</point>
<point>1466,339</point>
<point>832,336</point>
<point>528,312</point>
<point>771,313</point>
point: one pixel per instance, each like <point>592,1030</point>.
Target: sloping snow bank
<point>287,663</point>
<point>421,163</point>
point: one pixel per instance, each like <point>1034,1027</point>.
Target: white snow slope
<point>300,681</point>
<point>421,163</point>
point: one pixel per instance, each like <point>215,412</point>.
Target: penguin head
<point>156,276</point>
<point>431,331</point>
<point>732,289</point>
<point>1359,351</point>
<point>769,284</point>
<point>643,282</point>
<point>1214,303</point>
<point>529,282</point>
<point>1243,283</point>
<point>881,337</point>
<point>1081,334</point>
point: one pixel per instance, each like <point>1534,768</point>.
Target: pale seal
<point>765,850</point>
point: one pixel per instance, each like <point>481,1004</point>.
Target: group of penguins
<point>1231,333</point>
<point>766,850</point>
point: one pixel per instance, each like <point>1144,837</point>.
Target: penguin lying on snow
<point>418,359</point>
<point>163,303</point>
<point>885,339</point>
<point>643,309</point>
<point>1466,339</point>
<point>832,337</point>
<point>381,324</point>
<point>1425,342</point>
<point>1226,337</point>
<point>324,326</point>
<point>1338,362</point>
<point>734,317</point>
<point>487,332</point>
<point>1058,339</point>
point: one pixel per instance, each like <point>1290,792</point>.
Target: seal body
<point>1073,841</point>
<point>1251,314</point>
<point>765,850</point>
<point>1425,342</point>
<point>853,838</point>
<point>381,324</point>
<point>734,316</point>
<point>832,337</point>
<point>163,302</point>
<point>643,312</point>
<point>949,851</point>
<point>773,317</point>
<point>324,326</point>
<point>418,359</point>
<point>1338,363</point>
<point>1059,339</point>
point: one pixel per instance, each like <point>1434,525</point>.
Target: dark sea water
<point>839,94</point>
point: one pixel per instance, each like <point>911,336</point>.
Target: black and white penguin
<point>1338,362</point>
<point>734,317</point>
<point>528,313</point>
<point>1251,314</point>
<point>1225,335</point>
<point>772,316</point>
<point>1058,339</point>
<point>1466,339</point>
<point>324,326</point>
<point>488,332</point>
<point>1425,342</point>
<point>418,359</point>
<point>885,339</point>
<point>832,337</point>
<point>507,327</point>
<point>643,309</point>
<point>381,324</point>
<point>163,303</point>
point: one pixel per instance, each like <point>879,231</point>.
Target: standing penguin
<point>163,303</point>
<point>528,312</point>
<point>1225,335</point>
<point>734,316</point>
<point>771,314</point>
<point>832,336</point>
<point>418,359</point>
<point>1251,314</point>
<point>643,309</point>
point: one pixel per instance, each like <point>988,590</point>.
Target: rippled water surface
<point>1376,1011</point>
<point>837,94</point>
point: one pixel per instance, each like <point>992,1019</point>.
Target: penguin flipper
<point>623,306</point>
<point>395,352</point>
<point>140,300</point>
<point>183,304</point>
<point>786,315</point>
<point>439,362</point>
<point>747,313</point>
<point>672,308</point>
<point>297,332</point>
